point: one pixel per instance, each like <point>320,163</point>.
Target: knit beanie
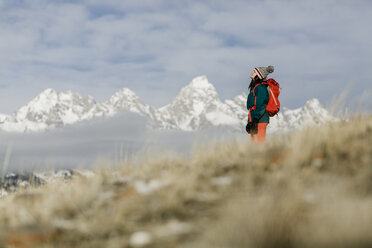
<point>262,72</point>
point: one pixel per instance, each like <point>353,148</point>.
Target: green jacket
<point>260,113</point>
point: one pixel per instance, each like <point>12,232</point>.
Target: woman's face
<point>253,74</point>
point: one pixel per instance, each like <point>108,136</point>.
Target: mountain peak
<point>49,98</point>
<point>126,100</point>
<point>201,82</point>
<point>123,96</point>
<point>196,105</point>
<point>44,101</point>
<point>317,110</point>
<point>313,103</point>
<point>126,91</point>
<point>199,90</point>
<point>48,91</point>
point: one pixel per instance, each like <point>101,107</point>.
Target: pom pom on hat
<point>262,72</point>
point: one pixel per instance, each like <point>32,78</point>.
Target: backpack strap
<point>270,92</point>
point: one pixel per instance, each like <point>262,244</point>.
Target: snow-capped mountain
<point>197,106</point>
<point>237,107</point>
<point>126,100</point>
<point>3,118</point>
<point>51,109</point>
<point>311,114</point>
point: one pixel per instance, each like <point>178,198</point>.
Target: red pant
<point>260,136</point>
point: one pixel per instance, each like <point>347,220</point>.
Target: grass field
<point>312,188</point>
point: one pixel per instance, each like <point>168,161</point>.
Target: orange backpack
<point>273,106</point>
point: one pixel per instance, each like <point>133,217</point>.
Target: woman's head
<point>259,74</point>
<point>262,72</point>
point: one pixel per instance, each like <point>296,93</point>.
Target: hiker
<point>257,101</point>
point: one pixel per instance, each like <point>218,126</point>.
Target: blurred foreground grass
<point>309,189</point>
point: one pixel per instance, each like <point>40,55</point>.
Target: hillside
<point>307,189</point>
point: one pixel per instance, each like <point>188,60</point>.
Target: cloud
<point>77,145</point>
<point>113,140</point>
<point>156,47</point>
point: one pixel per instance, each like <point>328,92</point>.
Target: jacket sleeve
<point>261,96</point>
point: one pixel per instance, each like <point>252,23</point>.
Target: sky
<point>319,48</point>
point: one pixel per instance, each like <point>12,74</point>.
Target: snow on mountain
<point>51,109</point>
<point>237,107</point>
<point>197,106</point>
<point>312,113</point>
<point>3,117</point>
<point>127,100</point>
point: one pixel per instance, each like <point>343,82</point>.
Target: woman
<point>257,100</point>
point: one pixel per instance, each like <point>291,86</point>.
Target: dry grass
<point>310,189</point>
